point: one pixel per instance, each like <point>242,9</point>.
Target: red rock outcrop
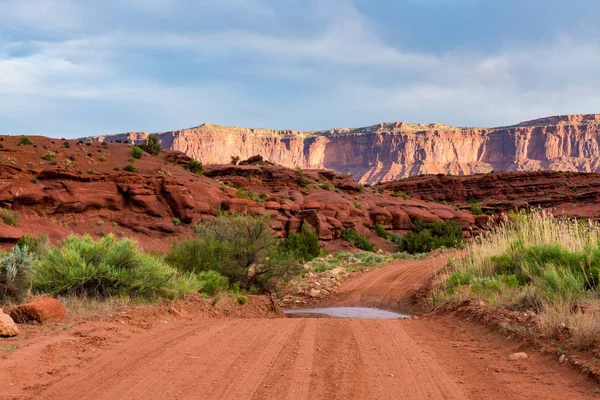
<point>391,151</point>
<point>573,193</point>
<point>64,187</point>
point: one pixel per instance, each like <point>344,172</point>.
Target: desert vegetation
<point>233,252</point>
<point>533,261</point>
<point>244,250</point>
<point>427,237</point>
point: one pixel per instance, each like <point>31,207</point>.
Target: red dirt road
<point>391,287</point>
<point>431,358</point>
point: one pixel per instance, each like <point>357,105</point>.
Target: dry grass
<point>477,277</point>
<point>88,308</point>
<point>583,327</point>
<point>537,228</point>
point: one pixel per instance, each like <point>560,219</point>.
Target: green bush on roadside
<point>239,247</point>
<point>107,267</point>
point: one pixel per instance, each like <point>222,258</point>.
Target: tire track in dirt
<point>437,357</point>
<point>390,287</point>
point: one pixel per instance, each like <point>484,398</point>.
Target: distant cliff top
<point>574,119</point>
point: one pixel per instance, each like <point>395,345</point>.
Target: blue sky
<point>75,68</point>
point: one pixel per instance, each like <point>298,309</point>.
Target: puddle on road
<point>342,312</point>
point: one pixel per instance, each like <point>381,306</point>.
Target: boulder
<point>380,216</point>
<point>401,220</point>
<point>39,310</point>
<point>518,356</point>
<point>7,326</point>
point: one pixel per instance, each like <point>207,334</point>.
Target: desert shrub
<point>9,217</point>
<point>129,168</point>
<point>250,195</point>
<point>152,146</point>
<point>212,282</point>
<point>358,240</point>
<point>49,156</point>
<point>196,167</point>
<point>476,209</point>
<point>403,195</point>
<point>239,247</point>
<point>36,246</point>
<point>107,267</point>
<point>235,160</point>
<point>15,270</point>
<point>302,181</point>
<point>304,244</point>
<point>425,238</point>
<point>24,140</point>
<point>176,221</point>
<point>102,159</point>
<point>137,152</point>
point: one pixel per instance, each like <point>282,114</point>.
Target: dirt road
<point>431,358</point>
<point>390,287</point>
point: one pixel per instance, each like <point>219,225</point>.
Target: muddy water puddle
<point>342,312</point>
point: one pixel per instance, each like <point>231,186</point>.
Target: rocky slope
<point>573,193</point>
<point>59,187</point>
<point>397,150</point>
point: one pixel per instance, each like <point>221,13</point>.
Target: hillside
<point>391,151</point>
<point>59,187</point>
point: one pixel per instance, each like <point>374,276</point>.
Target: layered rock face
<point>397,150</point>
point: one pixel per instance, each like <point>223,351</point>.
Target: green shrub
<point>304,244</point>
<point>129,168</point>
<point>212,282</point>
<point>136,152</point>
<point>357,239</point>
<point>425,238</point>
<point>9,217</point>
<point>196,167</point>
<point>152,146</point>
<point>49,156</point>
<point>247,194</point>
<point>102,159</point>
<point>176,221</point>
<point>241,248</point>
<point>476,209</point>
<point>24,140</point>
<point>15,269</point>
<point>106,267</point>
<point>37,246</point>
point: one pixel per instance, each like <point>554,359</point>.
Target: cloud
<point>339,70</point>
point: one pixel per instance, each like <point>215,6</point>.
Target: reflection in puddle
<point>342,312</point>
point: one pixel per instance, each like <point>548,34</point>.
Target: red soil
<point>156,355</point>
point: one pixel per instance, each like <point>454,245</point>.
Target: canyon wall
<point>390,151</point>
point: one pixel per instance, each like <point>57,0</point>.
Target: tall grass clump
<point>107,267</point>
<point>537,262</point>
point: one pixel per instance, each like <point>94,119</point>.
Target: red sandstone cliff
<point>397,150</point>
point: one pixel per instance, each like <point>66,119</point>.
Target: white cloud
<point>349,75</point>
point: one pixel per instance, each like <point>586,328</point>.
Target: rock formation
<point>61,187</point>
<point>391,151</point>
